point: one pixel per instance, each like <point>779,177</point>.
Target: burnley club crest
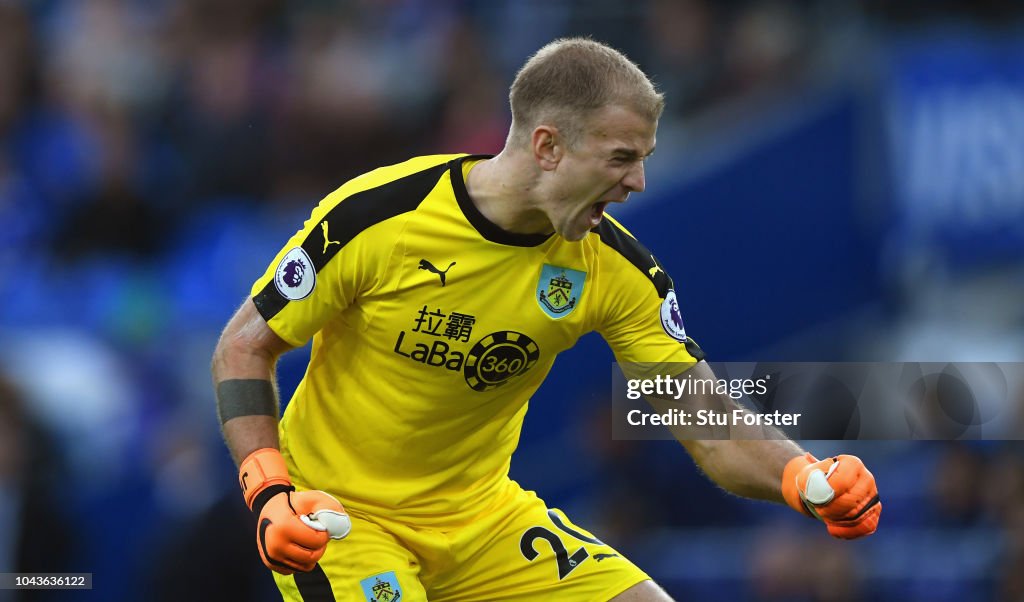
<point>559,290</point>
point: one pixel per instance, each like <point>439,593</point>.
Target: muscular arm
<point>749,464</point>
<point>243,376</point>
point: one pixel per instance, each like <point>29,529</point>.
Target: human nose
<point>634,179</point>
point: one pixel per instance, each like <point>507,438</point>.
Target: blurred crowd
<point>143,142</point>
<point>951,529</point>
<point>116,112</point>
<point>154,154</point>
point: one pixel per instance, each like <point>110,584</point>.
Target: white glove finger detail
<point>316,525</point>
<point>337,524</point>
<point>818,491</point>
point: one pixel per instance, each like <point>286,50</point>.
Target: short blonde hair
<point>568,79</point>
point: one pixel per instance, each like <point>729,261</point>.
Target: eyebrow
<point>630,153</point>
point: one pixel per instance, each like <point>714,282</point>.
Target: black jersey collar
<point>484,226</point>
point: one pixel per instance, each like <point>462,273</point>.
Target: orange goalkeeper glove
<point>293,526</point>
<point>840,491</point>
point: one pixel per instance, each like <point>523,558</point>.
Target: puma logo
<point>327,241</point>
<point>600,557</point>
<point>656,268</point>
<point>426,265</point>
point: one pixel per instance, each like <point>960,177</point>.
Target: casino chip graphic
<point>498,358</point>
<point>295,276</point>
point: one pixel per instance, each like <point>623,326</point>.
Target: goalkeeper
<point>437,293</point>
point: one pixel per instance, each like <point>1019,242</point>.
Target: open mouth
<point>597,212</point>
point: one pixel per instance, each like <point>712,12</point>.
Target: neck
<point>503,189</point>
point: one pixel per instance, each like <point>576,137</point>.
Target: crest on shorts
<point>382,588</point>
<point>559,290</point>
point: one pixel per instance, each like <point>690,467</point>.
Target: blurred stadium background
<point>835,180</point>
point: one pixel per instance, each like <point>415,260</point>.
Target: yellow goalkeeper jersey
<point>431,329</point>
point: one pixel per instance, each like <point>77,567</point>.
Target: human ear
<point>547,146</point>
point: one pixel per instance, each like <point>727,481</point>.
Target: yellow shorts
<point>518,550</point>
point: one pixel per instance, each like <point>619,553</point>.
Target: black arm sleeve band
<point>246,397</point>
